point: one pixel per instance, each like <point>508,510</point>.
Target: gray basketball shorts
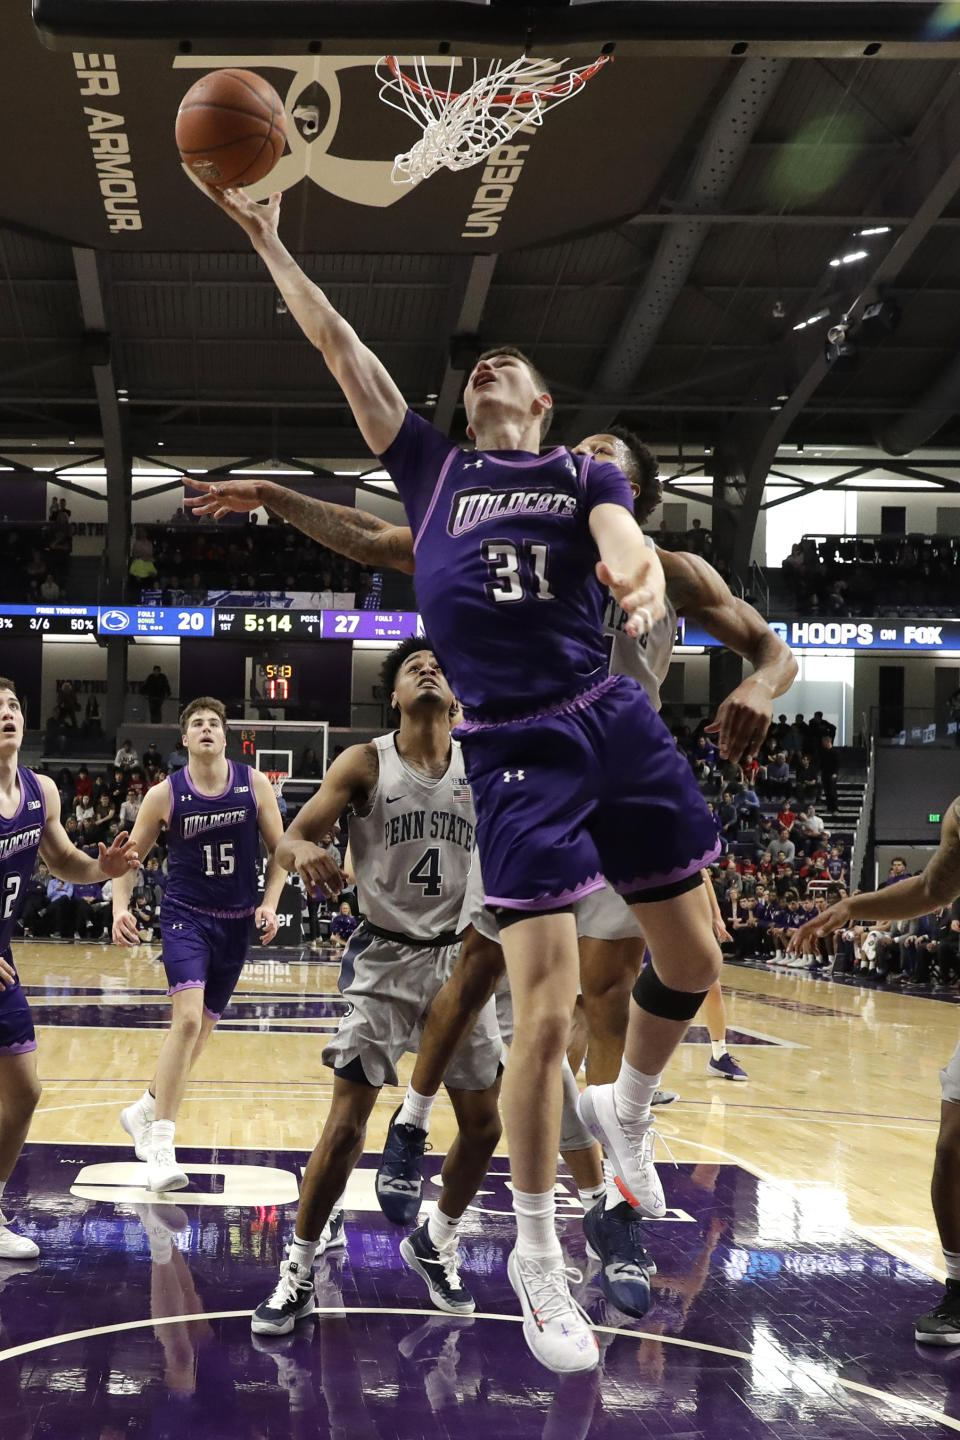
<point>950,1077</point>
<point>390,987</point>
<point>602,915</point>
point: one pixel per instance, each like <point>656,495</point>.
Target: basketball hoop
<point>461,128</point>
<point>276,778</point>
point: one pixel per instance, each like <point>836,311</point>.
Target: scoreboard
<point>205,622</point>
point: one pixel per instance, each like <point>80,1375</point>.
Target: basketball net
<point>461,128</point>
<point>276,778</point>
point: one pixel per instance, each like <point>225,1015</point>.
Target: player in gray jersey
<point>411,842</point>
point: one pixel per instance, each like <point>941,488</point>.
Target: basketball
<point>231,128</point>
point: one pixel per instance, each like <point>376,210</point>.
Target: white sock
<point>161,1134</point>
<point>590,1196</point>
<point>719,1048</point>
<point>415,1109</point>
<point>951,1260</point>
<point>441,1229</point>
<point>536,1224</point>
<point>610,1188</point>
<point>632,1093</point>
<point>302,1252</point>
<point>148,1104</point>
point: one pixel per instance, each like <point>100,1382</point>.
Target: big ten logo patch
<point>312,100</point>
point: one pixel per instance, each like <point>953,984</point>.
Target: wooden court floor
<point>841,1106</point>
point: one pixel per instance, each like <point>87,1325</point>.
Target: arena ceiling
<point>679,242</point>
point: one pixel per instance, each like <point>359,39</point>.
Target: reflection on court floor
<point>771,1318</point>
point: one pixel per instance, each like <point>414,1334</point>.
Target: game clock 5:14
<point>267,624</point>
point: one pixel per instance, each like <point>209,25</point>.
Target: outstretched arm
<point>64,860</point>
<point>377,405</point>
<point>939,885</point>
<point>628,567</point>
<point>354,533</point>
<point>699,593</point>
<point>350,780</point>
<point>152,814</point>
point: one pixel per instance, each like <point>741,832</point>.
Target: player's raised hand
<point>122,856</point>
<point>224,497</point>
<point>267,922</point>
<point>835,917</point>
<point>316,868</point>
<point>640,592</point>
<point>743,720</point>
<point>255,218</point>
<point>125,929</point>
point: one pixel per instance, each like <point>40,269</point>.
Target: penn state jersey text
<point>411,845</point>
<point>505,576</point>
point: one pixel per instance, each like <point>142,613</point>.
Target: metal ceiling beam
<point>928,415</point>
<point>801,366</point>
<point>115,451</point>
<point>732,126</point>
<point>469,319</point>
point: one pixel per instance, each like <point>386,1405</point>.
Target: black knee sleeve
<point>658,999</point>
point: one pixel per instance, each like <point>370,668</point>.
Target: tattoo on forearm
<point>352,533</point>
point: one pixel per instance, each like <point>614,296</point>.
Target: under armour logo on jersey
<point>178,926</point>
<point>509,775</point>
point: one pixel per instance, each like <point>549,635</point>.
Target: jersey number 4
<point>426,872</point>
<point>218,859</point>
<point>517,572</point>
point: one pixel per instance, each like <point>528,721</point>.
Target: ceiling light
<point>850,259</point>
<point>812,319</point>
<point>876,230</point>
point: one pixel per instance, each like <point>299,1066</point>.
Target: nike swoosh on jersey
<point>392,798</point>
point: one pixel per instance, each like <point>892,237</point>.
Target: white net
<point>461,127</point>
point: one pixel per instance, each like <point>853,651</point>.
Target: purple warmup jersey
<point>505,576</point>
<point>214,845</point>
<point>19,843</point>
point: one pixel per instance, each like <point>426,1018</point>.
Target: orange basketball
<point>231,128</point>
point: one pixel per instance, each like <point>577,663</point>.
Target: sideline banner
<point>850,636</point>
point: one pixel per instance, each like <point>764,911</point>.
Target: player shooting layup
<point>507,544</point>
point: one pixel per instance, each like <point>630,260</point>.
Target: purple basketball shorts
<point>16,1022</point>
<point>593,787</point>
<point>203,952</point>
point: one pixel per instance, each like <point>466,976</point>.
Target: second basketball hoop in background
<point>462,127</point>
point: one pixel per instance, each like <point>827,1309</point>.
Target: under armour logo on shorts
<point>509,775</point>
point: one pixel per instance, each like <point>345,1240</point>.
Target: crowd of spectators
<point>182,562</point>
<point>35,558</point>
<point>95,807</point>
<point>837,575</point>
<point>760,913</point>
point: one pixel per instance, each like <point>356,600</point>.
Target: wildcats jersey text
<point>411,847</point>
<point>505,576</point>
<point>19,843</point>
<point>214,845</point>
